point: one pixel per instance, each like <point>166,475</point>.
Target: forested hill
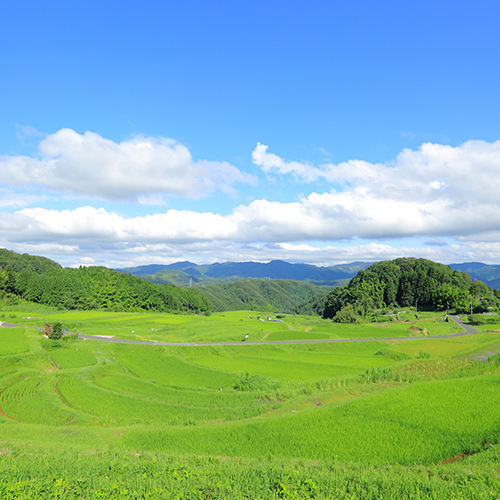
<point>399,283</point>
<point>407,282</point>
<point>43,281</point>
<point>19,262</point>
<point>266,295</point>
<point>184,273</point>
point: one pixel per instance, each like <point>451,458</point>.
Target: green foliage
<point>100,288</point>
<point>348,315</point>
<point>56,331</point>
<point>392,354</point>
<point>403,283</point>
<point>261,295</point>
<point>313,306</point>
<point>110,475</point>
<point>256,383</point>
<point>477,319</point>
<point>19,262</point>
<point>482,319</point>
<point>423,355</point>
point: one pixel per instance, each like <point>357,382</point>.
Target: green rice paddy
<point>306,420</point>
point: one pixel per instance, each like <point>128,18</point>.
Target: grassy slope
<point>311,402</point>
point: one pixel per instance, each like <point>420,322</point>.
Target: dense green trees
<point>17,262</point>
<point>40,280</point>
<point>262,294</point>
<point>406,282</point>
<point>400,283</point>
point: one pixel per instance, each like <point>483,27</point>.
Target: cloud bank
<point>468,173</point>
<point>135,170</point>
<point>442,200</point>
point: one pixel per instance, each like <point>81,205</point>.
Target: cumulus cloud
<point>139,168</point>
<point>273,163</point>
<point>468,173</point>
<point>317,217</point>
<point>432,193</point>
<point>88,224</point>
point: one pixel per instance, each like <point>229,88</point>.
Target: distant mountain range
<point>184,273</point>
<point>489,274</point>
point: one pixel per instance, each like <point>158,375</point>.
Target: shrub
<point>391,354</point>
<point>56,331</point>
<point>476,319</point>
<point>423,355</point>
<point>347,315</point>
<point>249,382</point>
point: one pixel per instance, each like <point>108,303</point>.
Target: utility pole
<point>471,304</point>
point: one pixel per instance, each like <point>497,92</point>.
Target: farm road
<point>468,331</point>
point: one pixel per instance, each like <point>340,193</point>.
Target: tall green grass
<point>289,418</point>
<point>13,341</point>
<point>420,423</point>
<point>153,363</point>
<point>32,400</point>
<point>129,476</point>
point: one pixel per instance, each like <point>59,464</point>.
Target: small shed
<point>48,329</point>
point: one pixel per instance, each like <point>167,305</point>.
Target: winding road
<point>468,331</point>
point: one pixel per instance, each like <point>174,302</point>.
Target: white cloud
<point>467,173</point>
<point>271,162</point>
<point>436,190</point>
<point>91,165</point>
<point>87,224</point>
<point>27,134</point>
<point>432,193</point>
<point>318,217</point>
<point>127,255</point>
<point>10,198</point>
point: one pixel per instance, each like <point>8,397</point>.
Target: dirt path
<point>468,331</point>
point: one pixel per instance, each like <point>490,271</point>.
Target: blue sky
<point>320,132</point>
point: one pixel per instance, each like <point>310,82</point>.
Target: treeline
<point>406,282</point>
<point>93,288</point>
<point>261,294</point>
<point>393,284</point>
<point>16,262</point>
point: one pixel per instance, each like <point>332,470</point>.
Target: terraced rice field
<point>374,403</point>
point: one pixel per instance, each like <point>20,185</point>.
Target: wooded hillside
<point>18,262</point>
<point>406,282</point>
<point>275,295</point>
<point>43,281</point>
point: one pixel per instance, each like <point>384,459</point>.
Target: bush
<point>347,315</point>
<point>56,331</point>
<point>423,355</point>
<point>481,319</point>
<point>476,319</point>
<point>256,383</point>
<point>395,355</point>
